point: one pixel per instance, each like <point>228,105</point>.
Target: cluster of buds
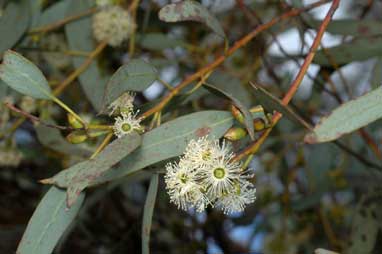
<point>206,175</point>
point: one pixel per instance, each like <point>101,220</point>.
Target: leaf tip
<point>310,138</point>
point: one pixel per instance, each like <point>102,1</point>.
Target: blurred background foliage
<point>308,196</point>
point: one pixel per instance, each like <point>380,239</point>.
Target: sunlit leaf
<point>169,140</point>
<point>348,117</point>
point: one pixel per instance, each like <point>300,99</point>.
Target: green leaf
<point>158,41</point>
<point>248,120</point>
<point>359,49</point>
<point>49,221</point>
<point>22,75</point>
<point>148,213</point>
<point>347,118</point>
<point>271,103</point>
<point>80,38</point>
<point>53,139</point>
<point>53,13</point>
<point>376,75</point>
<point>137,75</point>
<point>366,224</point>
<point>351,27</point>
<point>169,140</point>
<point>79,176</point>
<point>13,24</point>
<point>323,251</point>
<point>190,11</point>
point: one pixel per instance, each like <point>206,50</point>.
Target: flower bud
<point>259,124</point>
<point>237,114</point>
<point>77,137</point>
<point>95,133</point>
<point>74,122</point>
<point>235,133</point>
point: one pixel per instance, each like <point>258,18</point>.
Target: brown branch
<point>58,24</point>
<point>253,148</point>
<point>219,60</point>
<point>36,119</point>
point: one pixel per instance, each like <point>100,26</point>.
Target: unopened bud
<point>74,122</point>
<point>259,124</point>
<point>95,133</point>
<point>237,114</point>
<point>235,133</point>
<point>77,137</point>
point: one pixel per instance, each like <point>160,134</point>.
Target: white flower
<point>206,175</point>
<point>182,188</point>
<point>203,152</point>
<point>112,24</point>
<point>242,194</point>
<point>126,123</point>
<point>219,178</point>
<point>123,104</point>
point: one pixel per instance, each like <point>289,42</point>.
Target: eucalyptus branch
<point>36,119</point>
<point>254,147</point>
<point>219,60</point>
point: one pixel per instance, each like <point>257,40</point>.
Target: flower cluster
<point>206,175</point>
<point>112,24</point>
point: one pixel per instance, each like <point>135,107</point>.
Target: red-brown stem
<point>253,148</point>
<point>238,44</point>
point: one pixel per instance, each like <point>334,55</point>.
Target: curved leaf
<point>190,11</point>
<point>137,75</point>
<point>13,24</point>
<point>48,223</point>
<point>348,117</point>
<point>169,140</point>
<point>79,176</point>
<point>22,75</point>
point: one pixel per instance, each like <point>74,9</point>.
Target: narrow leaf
<point>13,23</point>
<point>190,11</point>
<point>148,213</point>
<point>359,49</point>
<point>271,103</point>
<point>137,75</point>
<point>247,115</point>
<point>48,223</point>
<point>22,75</point>
<point>348,117</point>
<point>169,140</point>
<point>79,176</point>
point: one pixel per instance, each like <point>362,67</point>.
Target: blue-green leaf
<point>22,75</point>
<point>48,223</point>
<point>190,11</point>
